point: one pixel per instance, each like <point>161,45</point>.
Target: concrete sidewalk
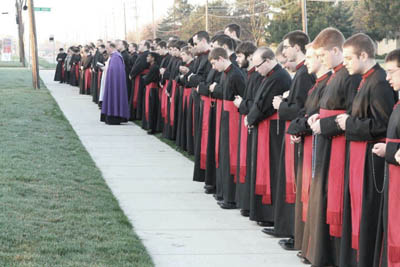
<point>177,222</point>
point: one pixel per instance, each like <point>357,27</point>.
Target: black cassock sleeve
<point>391,150</point>
<point>262,107</point>
<point>329,127</point>
<point>153,75</point>
<point>380,107</point>
<point>290,107</point>
<point>201,75</point>
<point>140,65</point>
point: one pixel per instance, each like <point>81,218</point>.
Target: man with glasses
<point>267,134</point>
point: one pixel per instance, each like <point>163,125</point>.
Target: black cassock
<point>204,150</point>
<point>289,110</point>
<point>151,81</point>
<point>318,246</point>
<point>128,67</point>
<point>74,72</point>
<point>86,76</point>
<point>232,83</point>
<point>253,82</point>
<point>163,64</point>
<point>387,251</point>
<point>60,72</point>
<point>96,76</point>
<point>137,94</point>
<point>183,108</point>
<point>202,67</point>
<point>167,88</point>
<point>173,100</point>
<point>364,173</point>
<point>275,83</point>
<point>300,128</point>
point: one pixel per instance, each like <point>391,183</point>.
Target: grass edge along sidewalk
<point>56,209</point>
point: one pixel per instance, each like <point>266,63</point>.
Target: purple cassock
<point>115,109</point>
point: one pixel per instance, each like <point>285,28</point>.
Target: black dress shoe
<point>271,232</point>
<point>151,132</point>
<point>218,197</point>
<point>288,244</point>
<point>209,191</point>
<point>245,213</point>
<point>265,224</point>
<point>227,206</point>
<point>305,261</point>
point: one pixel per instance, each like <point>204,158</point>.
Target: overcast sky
<point>82,20</point>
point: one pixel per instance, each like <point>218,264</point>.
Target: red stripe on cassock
<point>393,213</point>
<point>234,117</point>
<point>204,131</point>
<point>289,168</point>
<point>147,99</point>
<point>62,71</point>
<point>100,73</point>
<point>172,105</point>
<point>244,134</point>
<point>263,172</point>
<point>136,87</point>
<point>185,98</point>
<point>217,130</point>
<point>334,212</point>
<point>307,174</point>
<point>77,71</point>
<point>164,101</point>
<point>88,79</point>
<point>356,182</point>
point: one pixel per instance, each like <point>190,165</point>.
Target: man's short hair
<point>100,40</point>
<point>216,53</point>
<point>125,43</point>
<point>201,35</point>
<point>394,56</point>
<point>111,44</point>
<point>147,44</point>
<point>187,50</point>
<point>328,39</point>
<point>361,43</point>
<point>190,41</point>
<point>265,53</point>
<point>234,28</point>
<point>279,50</point>
<point>162,44</point>
<point>157,40</point>
<point>298,38</point>
<point>179,44</point>
<point>246,48</point>
<point>102,46</point>
<point>61,49</point>
<point>224,39</point>
<point>134,45</point>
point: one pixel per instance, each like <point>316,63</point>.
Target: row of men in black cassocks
<point>300,154</point>
<point>294,154</point>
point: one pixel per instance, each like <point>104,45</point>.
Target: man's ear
<point>364,56</point>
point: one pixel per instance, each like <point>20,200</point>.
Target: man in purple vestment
<point>115,109</point>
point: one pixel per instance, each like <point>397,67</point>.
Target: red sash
<point>99,75</point>
<point>244,134</point>
<point>205,130</point>
<point>393,213</point>
<point>356,181</point>
<point>164,101</point>
<point>136,87</point>
<point>289,168</point>
<point>77,71</point>
<point>217,130</point>
<point>147,99</point>
<point>172,105</point>
<point>263,172</point>
<point>306,174</point>
<point>88,79</point>
<point>62,71</point>
<point>185,98</point>
<point>334,210</point>
<point>234,117</point>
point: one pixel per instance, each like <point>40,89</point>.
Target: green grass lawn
<point>56,209</point>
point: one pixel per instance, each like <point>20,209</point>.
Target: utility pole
<point>33,42</point>
<point>154,23</point>
<point>136,23</point>
<point>125,22</point>
<point>206,15</point>
<point>304,15</point>
<point>18,5</point>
